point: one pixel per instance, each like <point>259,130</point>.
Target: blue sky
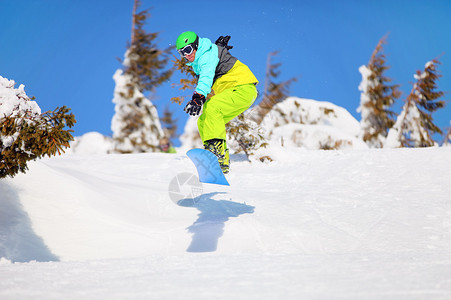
<point>65,52</point>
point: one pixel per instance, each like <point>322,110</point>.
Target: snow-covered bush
<point>245,135</point>
<point>26,133</point>
<point>311,124</point>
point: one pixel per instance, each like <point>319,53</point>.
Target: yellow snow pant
<point>222,108</point>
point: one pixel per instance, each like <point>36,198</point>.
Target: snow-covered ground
<point>351,224</point>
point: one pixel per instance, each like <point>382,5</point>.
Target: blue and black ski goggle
<point>187,50</point>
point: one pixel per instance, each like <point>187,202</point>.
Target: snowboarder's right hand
<point>194,106</point>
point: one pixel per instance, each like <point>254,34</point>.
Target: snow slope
<point>354,224</point>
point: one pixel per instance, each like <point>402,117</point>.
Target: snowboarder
<point>233,85</point>
<point>165,146</point>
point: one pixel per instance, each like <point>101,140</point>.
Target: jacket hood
<point>204,45</point>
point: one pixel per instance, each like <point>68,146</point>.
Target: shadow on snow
<point>209,226</point>
<point>18,241</point>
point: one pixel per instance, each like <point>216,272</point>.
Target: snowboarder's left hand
<point>194,106</point>
<point>223,42</point>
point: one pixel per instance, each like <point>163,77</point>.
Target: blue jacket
<point>204,65</point>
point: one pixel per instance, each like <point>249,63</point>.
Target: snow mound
<point>91,143</point>
<point>315,137</point>
<point>312,124</point>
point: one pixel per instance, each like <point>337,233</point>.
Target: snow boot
<point>219,148</point>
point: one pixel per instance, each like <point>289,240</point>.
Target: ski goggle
<point>187,50</point>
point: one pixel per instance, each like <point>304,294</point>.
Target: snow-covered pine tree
<point>135,125</point>
<point>376,99</point>
<point>169,124</point>
<point>273,92</point>
<point>25,132</point>
<point>428,97</point>
<point>414,126</point>
<point>407,130</point>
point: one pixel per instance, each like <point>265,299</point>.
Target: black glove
<point>223,41</point>
<point>194,106</point>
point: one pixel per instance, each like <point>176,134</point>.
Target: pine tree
<point>146,61</point>
<point>415,127</point>
<point>273,92</point>
<point>25,133</point>
<point>376,99</point>
<point>136,126</point>
<point>169,124</point>
<point>407,131</point>
<point>427,95</point>
<point>188,80</point>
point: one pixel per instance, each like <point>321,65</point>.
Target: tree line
<point>414,126</point>
<point>380,125</point>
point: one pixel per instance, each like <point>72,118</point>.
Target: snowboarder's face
<point>189,52</point>
<point>190,57</point>
<point>164,147</point>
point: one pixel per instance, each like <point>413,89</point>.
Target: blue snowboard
<point>207,166</point>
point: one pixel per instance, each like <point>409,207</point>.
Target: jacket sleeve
<point>207,67</point>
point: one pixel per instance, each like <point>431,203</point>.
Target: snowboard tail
<point>207,166</point>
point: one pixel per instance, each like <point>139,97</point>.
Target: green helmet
<point>186,38</point>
